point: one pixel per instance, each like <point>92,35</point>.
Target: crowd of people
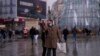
<point>51,34</point>
<point>5,33</point>
<point>8,34</point>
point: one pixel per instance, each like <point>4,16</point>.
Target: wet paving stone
<point>82,47</point>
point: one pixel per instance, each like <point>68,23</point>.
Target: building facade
<point>14,13</point>
<point>80,13</point>
<point>31,8</point>
<point>8,8</point>
<point>16,8</point>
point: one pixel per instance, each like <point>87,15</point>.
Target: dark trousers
<point>53,51</point>
<point>4,36</point>
<point>32,38</point>
<point>44,51</point>
<point>74,37</point>
<point>65,38</point>
<point>10,36</point>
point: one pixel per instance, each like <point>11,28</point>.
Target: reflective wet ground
<point>84,46</point>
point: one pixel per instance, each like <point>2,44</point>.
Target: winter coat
<point>52,37</point>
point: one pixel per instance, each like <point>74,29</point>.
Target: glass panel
<point>82,12</point>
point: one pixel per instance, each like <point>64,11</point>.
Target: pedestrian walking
<point>74,33</point>
<point>65,33</point>
<point>36,36</point>
<point>14,35</point>
<point>10,34</point>
<point>32,34</point>
<point>87,31</point>
<point>3,33</point>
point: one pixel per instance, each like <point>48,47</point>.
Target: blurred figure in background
<point>65,36</point>
<point>74,33</point>
<point>13,35</point>
<point>32,33</point>
<point>10,34</point>
<point>65,33</point>
<point>43,35</point>
<point>43,28</point>
<point>36,35</point>
<point>87,31</point>
<point>3,33</point>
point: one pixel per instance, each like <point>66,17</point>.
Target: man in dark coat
<point>32,33</point>
<point>65,33</point>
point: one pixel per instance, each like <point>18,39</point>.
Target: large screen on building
<point>29,8</point>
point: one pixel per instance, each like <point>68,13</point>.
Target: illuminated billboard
<point>31,8</point>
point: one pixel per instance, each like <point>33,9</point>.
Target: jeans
<point>32,38</point>
<point>65,38</point>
